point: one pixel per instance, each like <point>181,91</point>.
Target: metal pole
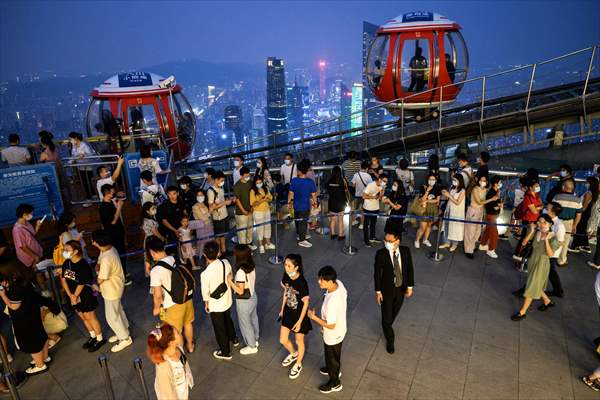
<point>53,287</point>
<point>349,250</point>
<point>587,78</point>
<point>436,255</point>
<point>12,386</point>
<point>323,229</point>
<point>276,259</point>
<point>137,364</point>
<point>365,129</point>
<point>529,96</point>
<point>302,140</point>
<point>482,105</point>
<point>103,361</point>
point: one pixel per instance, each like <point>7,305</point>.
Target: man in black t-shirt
<point>169,215</point>
<point>112,222</point>
<point>187,193</point>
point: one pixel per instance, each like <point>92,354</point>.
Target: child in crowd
<point>186,244</point>
<point>151,191</point>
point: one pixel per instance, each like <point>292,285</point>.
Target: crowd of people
<point>186,226</point>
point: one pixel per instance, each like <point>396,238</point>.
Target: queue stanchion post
<point>276,259</point>
<point>53,286</point>
<point>436,255</point>
<point>13,379</point>
<point>12,384</point>
<point>323,229</point>
<point>349,249</point>
<point>137,364</point>
<point>110,392</point>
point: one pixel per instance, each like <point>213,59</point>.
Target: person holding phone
<point>294,307</point>
<point>29,250</point>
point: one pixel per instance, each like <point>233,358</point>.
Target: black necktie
<point>397,270</point>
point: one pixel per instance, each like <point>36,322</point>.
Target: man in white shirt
<point>238,163</point>
<point>288,169</point>
<point>371,196</point>
<point>553,209</point>
<point>180,316</point>
<point>219,309</point>
<point>111,281</point>
<point>105,178</point>
<point>15,155</point>
<point>333,322</point>
<point>360,180</point>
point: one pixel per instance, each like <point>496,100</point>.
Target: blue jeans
<point>248,319</point>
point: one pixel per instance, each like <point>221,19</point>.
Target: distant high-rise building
<point>276,102</point>
<point>300,77</point>
<point>322,89</point>
<point>258,120</point>
<point>211,95</point>
<point>345,106</point>
<point>357,105</point>
<point>233,122</point>
<point>297,105</point>
<point>377,115</point>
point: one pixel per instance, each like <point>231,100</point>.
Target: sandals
<point>592,384</point>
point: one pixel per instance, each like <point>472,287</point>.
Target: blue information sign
<point>417,16</point>
<point>133,79</point>
<point>133,172</point>
<point>32,184</point>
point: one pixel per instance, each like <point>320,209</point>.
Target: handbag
<point>55,323</point>
<point>246,295</point>
<point>222,288</point>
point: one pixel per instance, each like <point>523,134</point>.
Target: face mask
<point>183,186</point>
<point>72,225</point>
<point>389,246</point>
<point>205,175</point>
<point>482,184</point>
<point>259,164</point>
<point>72,141</point>
<point>246,179</point>
<point>221,184</point>
<point>236,163</point>
<point>152,212</point>
<point>431,182</point>
<point>500,186</point>
<point>563,173</point>
<point>66,255</point>
<point>454,182</point>
<point>259,185</point>
<point>384,183</point>
<point>537,189</point>
<point>587,186</point>
<point>200,199</point>
<point>29,217</point>
<point>394,188</point>
<point>292,274</point>
<point>288,162</point>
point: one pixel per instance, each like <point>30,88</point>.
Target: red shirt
<point>531,198</point>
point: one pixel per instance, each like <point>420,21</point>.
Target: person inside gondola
<point>450,67</point>
<point>418,67</point>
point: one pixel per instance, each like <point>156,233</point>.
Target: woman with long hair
<point>262,170</point>
<point>202,222</point>
<point>337,187</point>
<point>260,200</point>
<point>428,208</point>
<point>173,379</point>
<point>243,285</point>
<point>455,229</point>
<point>49,151</point>
<point>23,305</point>
<point>77,278</point>
<point>294,307</point>
<point>580,242</point>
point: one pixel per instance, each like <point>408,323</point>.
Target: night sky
<point>94,36</point>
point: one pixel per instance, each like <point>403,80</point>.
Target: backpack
<point>182,282</point>
<point>57,254</point>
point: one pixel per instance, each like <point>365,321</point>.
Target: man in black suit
<point>394,280</point>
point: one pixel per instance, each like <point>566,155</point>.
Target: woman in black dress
<point>293,313</point>
<point>24,308</point>
<point>77,278</point>
<point>337,187</point>
<point>398,202</point>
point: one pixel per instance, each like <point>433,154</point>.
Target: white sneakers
<point>295,371</point>
<point>252,247</point>
<point>113,339</point>
<point>483,247</point>
<point>270,246</point>
<point>417,244</point>
<point>304,243</point>
<point>591,264</point>
<point>261,249</point>
<point>289,359</point>
<point>121,345</point>
<point>427,243</point>
<point>248,350</point>
<point>444,245</point>
<point>491,253</point>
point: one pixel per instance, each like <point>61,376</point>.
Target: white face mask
<point>292,274</point>
<point>72,141</point>
<point>236,163</point>
<point>205,175</point>
<point>482,184</point>
<point>500,186</point>
<point>246,179</point>
<point>152,211</point>
<point>259,164</point>
<point>454,182</point>
<point>29,217</point>
<point>200,199</point>
<point>221,184</point>
<point>389,246</point>
<point>563,173</point>
<point>394,188</point>
<point>287,162</point>
<point>431,182</point>
<point>66,255</point>
<point>537,189</point>
<point>259,184</point>
<point>183,186</point>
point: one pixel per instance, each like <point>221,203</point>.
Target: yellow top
<point>261,201</point>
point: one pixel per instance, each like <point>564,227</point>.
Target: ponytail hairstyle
<point>158,342</point>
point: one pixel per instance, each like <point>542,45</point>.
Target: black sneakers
<point>96,345</point>
<point>330,387</point>
<point>323,371</point>
<point>89,342</point>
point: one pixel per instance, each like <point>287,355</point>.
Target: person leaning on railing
<point>79,151</point>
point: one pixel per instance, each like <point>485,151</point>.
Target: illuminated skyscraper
<point>357,105</point>
<point>276,100</point>
<point>345,106</point>
<point>233,122</point>
<point>376,115</point>
<point>295,105</point>
<point>322,90</point>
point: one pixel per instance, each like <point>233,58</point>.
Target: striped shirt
<point>350,167</point>
<point>571,204</point>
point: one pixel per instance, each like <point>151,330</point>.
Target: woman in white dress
<point>455,229</point>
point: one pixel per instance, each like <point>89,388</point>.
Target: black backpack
<point>182,282</point>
